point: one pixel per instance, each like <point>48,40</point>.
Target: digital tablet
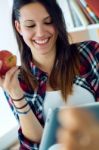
<point>51,124</point>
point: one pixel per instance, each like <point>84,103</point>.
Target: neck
<point>45,62</point>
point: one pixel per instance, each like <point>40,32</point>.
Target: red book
<point>94,5</point>
<point>91,21</point>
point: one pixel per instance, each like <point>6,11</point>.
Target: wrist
<point>18,103</point>
<point>18,99</point>
<point>21,105</point>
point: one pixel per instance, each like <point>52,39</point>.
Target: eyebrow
<point>34,21</point>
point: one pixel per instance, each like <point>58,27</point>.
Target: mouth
<point>41,42</point>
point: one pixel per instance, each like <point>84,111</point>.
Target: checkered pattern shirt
<point>88,79</point>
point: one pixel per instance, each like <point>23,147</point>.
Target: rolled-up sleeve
<point>26,144</point>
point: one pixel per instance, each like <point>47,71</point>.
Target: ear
<point>18,27</point>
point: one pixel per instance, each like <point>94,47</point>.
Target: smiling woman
<point>49,63</point>
<point>37,29</point>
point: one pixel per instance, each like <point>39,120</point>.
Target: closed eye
<point>48,23</point>
<point>31,26</point>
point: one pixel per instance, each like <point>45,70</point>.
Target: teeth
<point>41,41</point>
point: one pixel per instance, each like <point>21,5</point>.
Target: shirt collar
<point>38,73</point>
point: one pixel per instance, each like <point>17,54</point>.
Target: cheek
<point>26,34</point>
<point>53,30</point>
<point>55,33</point>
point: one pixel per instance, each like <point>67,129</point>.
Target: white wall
<point>7,40</point>
<point>8,124</point>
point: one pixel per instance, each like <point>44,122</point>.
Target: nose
<point>40,31</point>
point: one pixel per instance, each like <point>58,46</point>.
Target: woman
<point>52,71</point>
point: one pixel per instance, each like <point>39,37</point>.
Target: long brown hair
<point>66,64</point>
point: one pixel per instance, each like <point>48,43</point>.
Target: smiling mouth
<point>42,42</point>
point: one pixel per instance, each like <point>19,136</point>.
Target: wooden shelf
<point>90,32</point>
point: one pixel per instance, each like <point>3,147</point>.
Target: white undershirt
<point>80,96</point>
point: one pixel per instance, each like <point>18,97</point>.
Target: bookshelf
<point>79,34</point>
<point>81,30</point>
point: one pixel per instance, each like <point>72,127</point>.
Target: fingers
<point>11,73</point>
<point>6,80</point>
<point>67,140</point>
<point>12,84</point>
<point>75,118</point>
<point>1,78</point>
<point>0,64</point>
<point>78,129</point>
<point>72,141</point>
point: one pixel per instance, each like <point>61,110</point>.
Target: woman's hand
<point>10,82</point>
<point>31,128</point>
<point>79,130</point>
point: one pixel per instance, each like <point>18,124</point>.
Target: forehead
<point>33,11</point>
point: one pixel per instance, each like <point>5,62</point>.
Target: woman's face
<point>36,27</point>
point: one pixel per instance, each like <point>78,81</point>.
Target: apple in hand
<point>8,61</point>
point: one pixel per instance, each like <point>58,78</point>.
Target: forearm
<point>30,126</point>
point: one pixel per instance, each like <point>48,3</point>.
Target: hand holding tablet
<point>79,129</point>
<point>75,127</point>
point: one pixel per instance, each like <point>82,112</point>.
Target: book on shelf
<point>88,11</point>
<point>94,5</point>
<point>91,21</point>
<point>66,12</point>
<point>75,18</point>
<point>84,21</point>
<point>77,21</point>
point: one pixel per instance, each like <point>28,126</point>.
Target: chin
<point>43,53</point>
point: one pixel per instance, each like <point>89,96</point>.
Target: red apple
<point>8,61</point>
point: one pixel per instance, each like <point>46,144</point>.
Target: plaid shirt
<point>88,79</point>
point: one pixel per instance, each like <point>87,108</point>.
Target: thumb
<point>1,64</point>
<point>1,78</point>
